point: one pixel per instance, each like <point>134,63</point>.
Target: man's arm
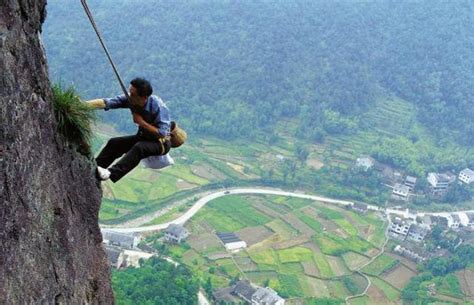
<point>96,103</point>
<point>137,119</point>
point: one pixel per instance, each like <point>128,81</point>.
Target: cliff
<point>50,242</point>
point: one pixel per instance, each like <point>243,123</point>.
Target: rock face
<point>50,242</point>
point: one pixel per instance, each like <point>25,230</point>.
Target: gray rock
<point>50,242</point>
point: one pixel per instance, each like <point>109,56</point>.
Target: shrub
<point>74,118</point>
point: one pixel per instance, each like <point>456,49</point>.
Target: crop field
<point>399,276</point>
<point>282,229</point>
<point>323,265</point>
<point>296,254</point>
<point>354,260</point>
<point>389,291</point>
<point>240,209</point>
<point>337,265</point>
<point>293,263</point>
<point>466,280</point>
<point>332,244</point>
<point>203,241</point>
<point>318,288</point>
<point>380,264</point>
<point>253,235</point>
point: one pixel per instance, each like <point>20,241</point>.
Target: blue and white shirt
<point>154,112</point>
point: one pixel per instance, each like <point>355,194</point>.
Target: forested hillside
<point>258,63</point>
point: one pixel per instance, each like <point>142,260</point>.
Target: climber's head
<point>140,89</point>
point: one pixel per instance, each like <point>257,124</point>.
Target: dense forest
<point>262,63</point>
<point>157,281</point>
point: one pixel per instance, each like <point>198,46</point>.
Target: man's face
<point>137,100</point>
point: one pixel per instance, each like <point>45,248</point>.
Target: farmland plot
<point>253,235</point>
<point>399,276</point>
<point>203,242</point>
<point>282,229</point>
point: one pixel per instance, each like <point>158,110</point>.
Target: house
<point>410,182</point>
<point>176,233</point>
<point>360,207</point>
<point>439,183</point>
<point>417,233</point>
<point>267,296</point>
<point>409,253</point>
<point>456,221</point>
<point>466,176</point>
<point>123,240</point>
<point>115,255</point>
<point>244,290</point>
<point>399,228</point>
<point>400,192</point>
<point>224,295</point>
<point>231,241</point>
<point>365,163</point>
<point>470,222</point>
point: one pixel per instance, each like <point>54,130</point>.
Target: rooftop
<point>456,217</point>
<point>228,237</point>
<point>467,171</point>
<point>360,206</point>
<point>176,230</point>
<point>244,289</point>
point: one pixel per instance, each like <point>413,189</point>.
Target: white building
<point>231,241</point>
<point>123,240</point>
<point>470,222</point>
<point>176,233</point>
<point>267,296</point>
<point>466,176</point>
<point>365,162</point>
<point>409,254</point>
<point>417,233</point>
<point>456,221</point>
<point>399,227</point>
<point>410,182</point>
<point>400,191</point>
<point>439,182</point>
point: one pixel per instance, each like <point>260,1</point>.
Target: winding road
<point>208,197</point>
<point>202,202</point>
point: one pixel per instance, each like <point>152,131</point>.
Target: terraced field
<point>290,254</point>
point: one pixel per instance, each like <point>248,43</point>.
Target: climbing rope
<point>96,29</point>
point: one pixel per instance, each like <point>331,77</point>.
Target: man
<point>152,139</point>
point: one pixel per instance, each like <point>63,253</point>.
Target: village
<point>415,235</point>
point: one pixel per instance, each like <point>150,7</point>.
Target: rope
<point>94,26</point>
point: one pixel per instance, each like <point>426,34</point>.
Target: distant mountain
<point>235,69</point>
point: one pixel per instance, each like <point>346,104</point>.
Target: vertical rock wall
<point>50,242</point>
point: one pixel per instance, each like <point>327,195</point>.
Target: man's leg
<point>133,157</point>
<point>114,149</point>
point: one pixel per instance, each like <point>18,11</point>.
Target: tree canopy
<point>256,63</point>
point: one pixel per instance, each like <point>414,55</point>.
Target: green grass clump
<point>74,118</point>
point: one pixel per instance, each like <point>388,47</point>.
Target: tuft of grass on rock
<point>74,118</point>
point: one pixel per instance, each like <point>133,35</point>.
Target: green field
<point>297,254</point>
<point>380,264</point>
<point>390,292</point>
<point>323,265</point>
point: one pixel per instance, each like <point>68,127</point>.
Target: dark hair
<point>143,86</point>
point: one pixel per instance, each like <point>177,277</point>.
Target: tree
<point>208,287</point>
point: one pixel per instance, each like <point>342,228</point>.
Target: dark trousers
<point>135,148</point>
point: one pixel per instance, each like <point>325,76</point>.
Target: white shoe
<point>104,173</point>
